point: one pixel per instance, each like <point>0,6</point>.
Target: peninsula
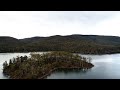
<point>39,66</point>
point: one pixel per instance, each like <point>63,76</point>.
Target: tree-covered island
<point>39,66</point>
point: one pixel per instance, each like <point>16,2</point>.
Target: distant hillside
<point>89,44</point>
<point>7,41</point>
<point>32,39</point>
<point>9,44</point>
<point>106,40</point>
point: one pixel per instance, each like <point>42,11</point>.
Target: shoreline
<point>51,71</point>
<point>71,52</point>
<point>23,67</point>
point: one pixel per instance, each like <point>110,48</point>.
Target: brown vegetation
<point>38,66</point>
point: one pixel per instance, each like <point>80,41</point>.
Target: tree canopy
<point>38,66</point>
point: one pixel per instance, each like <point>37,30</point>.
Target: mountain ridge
<point>72,43</point>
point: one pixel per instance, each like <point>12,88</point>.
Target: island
<point>39,66</point>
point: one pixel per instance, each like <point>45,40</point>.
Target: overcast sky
<point>23,24</point>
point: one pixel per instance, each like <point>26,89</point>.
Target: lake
<point>106,67</point>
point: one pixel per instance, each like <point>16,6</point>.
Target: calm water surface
<point>106,67</point>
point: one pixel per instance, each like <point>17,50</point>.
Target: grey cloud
<point>86,17</point>
<point>43,23</point>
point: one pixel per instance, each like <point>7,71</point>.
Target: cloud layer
<point>22,24</point>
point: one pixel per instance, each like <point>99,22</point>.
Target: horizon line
<point>61,35</point>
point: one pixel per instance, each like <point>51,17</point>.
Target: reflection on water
<point>106,67</point>
<point>67,71</point>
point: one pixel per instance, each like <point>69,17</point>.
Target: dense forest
<point>85,44</point>
<point>39,66</point>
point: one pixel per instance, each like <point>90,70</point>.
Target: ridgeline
<point>84,44</point>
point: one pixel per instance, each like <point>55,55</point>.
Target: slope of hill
<point>89,44</point>
<point>8,40</point>
<point>9,44</point>
<point>106,40</point>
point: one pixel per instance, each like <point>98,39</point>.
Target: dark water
<point>106,67</point>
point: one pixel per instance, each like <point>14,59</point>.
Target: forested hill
<point>89,44</point>
<point>6,41</point>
